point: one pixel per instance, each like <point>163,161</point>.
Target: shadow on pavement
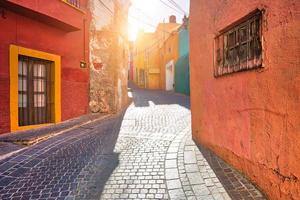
<point>145,97</point>
<point>72,165</point>
<point>101,166</point>
<point>98,174</point>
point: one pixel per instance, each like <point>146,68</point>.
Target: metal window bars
<point>75,3</point>
<point>239,48</point>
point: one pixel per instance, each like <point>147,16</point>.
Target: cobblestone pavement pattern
<point>159,160</point>
<point>147,153</point>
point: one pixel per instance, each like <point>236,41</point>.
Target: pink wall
<point>71,46</point>
<point>251,119</point>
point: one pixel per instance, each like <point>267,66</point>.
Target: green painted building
<point>182,66</point>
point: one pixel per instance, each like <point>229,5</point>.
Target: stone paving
<point>158,159</point>
<point>147,153</point>
<point>73,165</point>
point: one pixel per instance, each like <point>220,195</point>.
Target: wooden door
<point>35,88</point>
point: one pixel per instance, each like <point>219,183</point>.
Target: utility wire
<point>170,6</point>
<point>146,23</point>
<point>177,6</point>
<point>107,8</point>
<point>136,18</point>
<point>133,17</point>
<point>142,12</point>
<point>152,45</point>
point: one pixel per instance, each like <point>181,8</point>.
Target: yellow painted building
<point>169,56</point>
<point>150,54</point>
<point>142,58</point>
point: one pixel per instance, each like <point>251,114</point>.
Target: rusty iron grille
<point>35,88</point>
<point>239,48</point>
<point>75,3</point>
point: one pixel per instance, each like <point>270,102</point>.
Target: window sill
<point>233,72</point>
<point>30,127</point>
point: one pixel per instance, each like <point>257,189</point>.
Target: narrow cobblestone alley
<point>145,153</point>
<point>159,160</point>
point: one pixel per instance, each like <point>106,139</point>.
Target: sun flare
<point>146,14</point>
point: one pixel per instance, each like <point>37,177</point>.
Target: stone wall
<point>109,56</point>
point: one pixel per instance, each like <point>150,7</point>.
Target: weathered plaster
<point>251,118</point>
<point>108,58</point>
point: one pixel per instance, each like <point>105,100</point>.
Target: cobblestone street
<point>145,153</point>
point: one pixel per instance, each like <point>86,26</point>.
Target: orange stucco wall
<point>252,118</point>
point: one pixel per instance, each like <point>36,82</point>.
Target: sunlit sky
<point>146,14</point>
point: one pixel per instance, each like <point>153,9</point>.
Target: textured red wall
<point>56,9</point>
<point>252,118</point>
<point>71,46</point>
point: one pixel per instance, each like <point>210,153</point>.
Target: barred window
<point>75,3</point>
<point>239,48</point>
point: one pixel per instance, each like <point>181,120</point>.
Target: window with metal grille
<point>75,3</point>
<point>35,91</point>
<point>239,48</point>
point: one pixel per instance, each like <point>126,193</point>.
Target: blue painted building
<point>182,66</point>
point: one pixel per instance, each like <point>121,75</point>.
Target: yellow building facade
<point>169,56</point>
<point>143,58</point>
<point>152,52</point>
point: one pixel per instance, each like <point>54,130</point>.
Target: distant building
<point>182,66</point>
<point>161,58</point>
<point>145,54</point>
<point>149,55</point>
<point>169,55</point>
<point>245,86</point>
<point>130,65</point>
